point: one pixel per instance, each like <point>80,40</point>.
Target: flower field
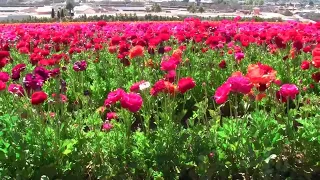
<point>154,100</point>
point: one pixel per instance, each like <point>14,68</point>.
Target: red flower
<point>221,94</point>
<point>2,86</point>
<point>305,65</point>
<point>137,51</point>
<point>186,84</point>
<point>289,90</point>
<point>38,97</point>
<point>4,54</point>
<point>111,115</point>
<point>112,49</point>
<point>132,102</point>
<point>169,65</point>
<point>4,76</point>
<point>163,86</point>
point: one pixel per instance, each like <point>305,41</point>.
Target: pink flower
<point>186,84</point>
<point>168,65</point>
<point>221,95</point>
<point>107,126</point>
<point>240,84</point>
<point>132,102</point>
<point>16,89</point>
<point>289,90</point>
<point>111,115</point>
<point>239,56</point>
<point>114,96</point>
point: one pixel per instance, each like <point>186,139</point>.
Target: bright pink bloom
<point>132,102</point>
<point>221,94</point>
<point>289,90</point>
<point>240,84</point>
<point>16,89</point>
<point>114,96</point>
<point>135,86</point>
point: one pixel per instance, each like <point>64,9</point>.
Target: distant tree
<point>192,9</point>
<point>156,8</point>
<point>311,3</point>
<point>62,13</point>
<point>52,13</point>
<point>198,2</point>
<point>58,14</point>
<point>70,5</point>
<point>186,1</point>
<point>201,9</point>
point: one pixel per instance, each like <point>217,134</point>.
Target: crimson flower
<point>38,97</point>
<point>186,84</point>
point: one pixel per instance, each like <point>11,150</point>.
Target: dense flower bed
<point>191,99</point>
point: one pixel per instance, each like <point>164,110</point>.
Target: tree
<point>201,9</point>
<point>70,5</point>
<point>186,1</point>
<point>192,9</point>
<point>156,8</point>
<point>62,13</point>
<point>311,3</point>
<point>52,13</point>
<point>58,14</point>
<point>198,2</point>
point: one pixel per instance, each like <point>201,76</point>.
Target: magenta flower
<point>289,90</point>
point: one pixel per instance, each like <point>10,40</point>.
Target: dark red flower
<point>316,77</point>
<point>223,64</point>
<point>80,65</point>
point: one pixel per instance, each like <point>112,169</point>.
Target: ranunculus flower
<point>16,89</point>
<point>222,92</point>
<point>4,76</point>
<point>171,76</point>
<point>131,101</point>
<point>222,64</point>
<point>305,65</point>
<point>80,65</point>
<point>316,77</point>
<point>137,51</point>
<point>239,56</point>
<point>114,96</point>
<point>107,126</point>
<point>4,54</point>
<point>289,90</point>
<point>168,65</point>
<point>2,86</point>
<point>16,70</point>
<point>111,115</point>
<point>63,98</point>
<point>38,97</point>
<point>135,86</point>
<point>240,84</point>
<point>167,48</point>
<point>186,84</point>
<point>163,86</point>
<point>112,49</point>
